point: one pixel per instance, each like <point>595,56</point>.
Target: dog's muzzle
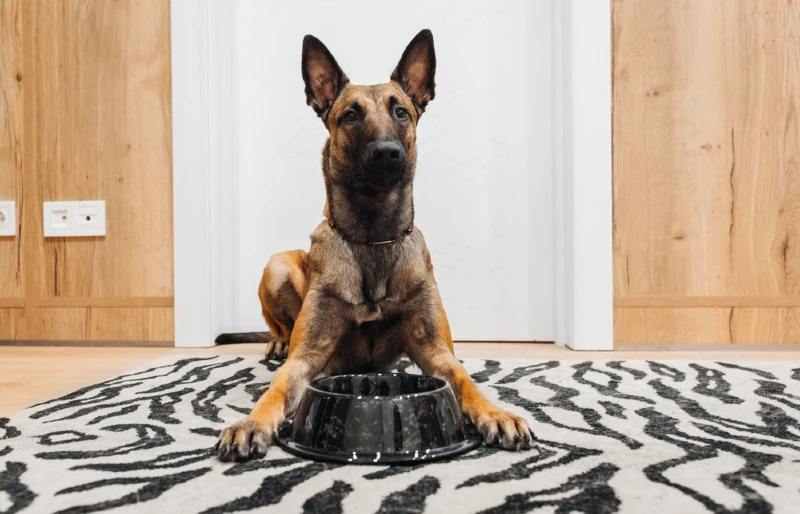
<point>383,163</point>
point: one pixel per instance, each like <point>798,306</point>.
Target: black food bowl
<point>378,418</point>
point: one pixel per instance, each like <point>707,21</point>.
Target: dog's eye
<point>401,113</point>
<point>350,116</point>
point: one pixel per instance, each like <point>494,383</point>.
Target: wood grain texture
<point>11,263</point>
<point>706,168</point>
<point>94,343</point>
<point>707,301</point>
<point>12,323</point>
<point>70,301</point>
<point>85,114</point>
<point>98,126</point>
<point>100,324</point>
<point>735,325</point>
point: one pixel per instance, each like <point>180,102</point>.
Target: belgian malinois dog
<point>364,294</point>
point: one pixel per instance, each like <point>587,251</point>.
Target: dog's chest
<point>375,283</point>
<point>374,294</point>
<point>377,292</point>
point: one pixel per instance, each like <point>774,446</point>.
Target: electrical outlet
<point>8,219</point>
<point>74,219</point>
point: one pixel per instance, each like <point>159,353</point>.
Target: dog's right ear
<point>323,77</point>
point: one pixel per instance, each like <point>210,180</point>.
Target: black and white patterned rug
<point>632,436</point>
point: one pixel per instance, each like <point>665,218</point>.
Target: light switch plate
<point>75,219</point>
<point>8,219</point>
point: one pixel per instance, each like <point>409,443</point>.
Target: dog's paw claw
<point>277,350</point>
<point>500,428</point>
<point>242,441</point>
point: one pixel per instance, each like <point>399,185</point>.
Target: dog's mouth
<point>386,179</point>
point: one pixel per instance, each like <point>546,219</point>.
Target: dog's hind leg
<point>281,291</point>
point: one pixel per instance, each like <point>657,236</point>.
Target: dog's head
<point>372,129</point>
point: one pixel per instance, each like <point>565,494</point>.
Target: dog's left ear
<point>416,68</point>
<point>323,77</point>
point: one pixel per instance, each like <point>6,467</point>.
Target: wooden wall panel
<point>101,324</point>
<point>98,126</point>
<point>90,100</point>
<point>706,169</point>
<point>683,325</point>
<point>12,324</point>
<point>11,262</point>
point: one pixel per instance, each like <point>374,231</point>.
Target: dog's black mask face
<point>372,129</point>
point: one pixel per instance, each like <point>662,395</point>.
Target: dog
<point>364,295</point>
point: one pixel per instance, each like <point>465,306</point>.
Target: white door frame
<point>204,130</point>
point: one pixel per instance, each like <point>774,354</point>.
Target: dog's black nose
<point>382,157</point>
<point>386,153</point>
<point>384,163</point>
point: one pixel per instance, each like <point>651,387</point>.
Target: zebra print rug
<point>614,436</point>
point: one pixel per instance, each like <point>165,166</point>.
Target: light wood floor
<point>29,375</point>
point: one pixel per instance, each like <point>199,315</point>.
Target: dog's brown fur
<point>346,307</point>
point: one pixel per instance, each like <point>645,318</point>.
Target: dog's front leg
<point>314,337</point>
<point>430,346</point>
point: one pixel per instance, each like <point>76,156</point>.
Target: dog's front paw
<point>500,428</point>
<point>243,441</point>
<point>277,349</point>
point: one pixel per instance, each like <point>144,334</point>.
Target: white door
<point>484,182</point>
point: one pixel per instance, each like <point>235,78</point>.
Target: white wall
<point>484,187</point>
